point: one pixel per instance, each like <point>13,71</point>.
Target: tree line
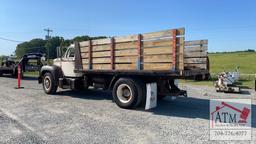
<point>49,46</point>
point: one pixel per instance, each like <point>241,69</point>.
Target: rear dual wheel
<point>129,93</point>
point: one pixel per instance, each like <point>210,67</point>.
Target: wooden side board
<point>195,56</point>
<point>151,51</point>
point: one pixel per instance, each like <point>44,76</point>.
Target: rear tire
<point>48,84</point>
<point>128,93</point>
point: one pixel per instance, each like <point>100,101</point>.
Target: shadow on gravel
<point>30,78</point>
<point>87,94</point>
<point>181,107</point>
<point>190,108</point>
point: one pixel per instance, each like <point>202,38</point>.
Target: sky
<point>229,25</point>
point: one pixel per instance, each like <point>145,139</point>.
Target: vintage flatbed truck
<point>126,64</point>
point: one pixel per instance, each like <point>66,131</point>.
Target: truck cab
<point>67,63</point>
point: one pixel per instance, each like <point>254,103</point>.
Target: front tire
<point>128,93</point>
<point>48,84</point>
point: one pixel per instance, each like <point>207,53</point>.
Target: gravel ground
<point>30,116</point>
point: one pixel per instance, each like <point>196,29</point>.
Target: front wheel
<point>48,84</point>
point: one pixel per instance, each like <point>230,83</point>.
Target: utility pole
<point>47,37</point>
<point>48,30</point>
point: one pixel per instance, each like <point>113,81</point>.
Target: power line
<point>10,40</point>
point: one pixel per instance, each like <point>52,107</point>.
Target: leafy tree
<point>50,45</point>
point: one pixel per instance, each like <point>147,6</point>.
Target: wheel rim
<point>47,82</point>
<point>124,93</point>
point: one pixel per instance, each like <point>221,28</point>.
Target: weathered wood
<point>84,49</point>
<point>129,38</point>
<point>195,54</point>
<point>129,52</point>
<point>157,66</point>
<point>196,42</point>
<point>195,60</point>
<point>127,45</point>
<point>85,55</point>
<point>101,54</point>
<point>158,50</point>
<point>101,48</point>
<point>85,61</point>
<point>158,58</point>
<point>165,33</point>
<point>84,44</point>
<point>101,60</point>
<point>125,66</point>
<point>195,66</point>
<point>157,43</point>
<point>101,41</point>
<point>101,66</point>
<point>126,59</point>
<point>197,48</point>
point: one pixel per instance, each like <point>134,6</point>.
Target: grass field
<point>219,62</point>
<point>246,61</point>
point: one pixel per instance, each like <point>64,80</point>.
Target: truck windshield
<point>70,53</point>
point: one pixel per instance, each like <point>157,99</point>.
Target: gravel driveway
<point>30,116</point>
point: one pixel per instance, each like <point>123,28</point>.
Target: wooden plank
<point>126,59</point>
<point>158,50</point>
<point>157,43</point>
<point>195,60</point>
<point>84,49</point>
<point>195,66</point>
<point>101,67</point>
<point>197,48</point>
<point>127,45</point>
<point>158,58</point>
<point>101,41</point>
<point>165,33</point>
<point>157,66</point>
<point>85,61</point>
<point>101,48</point>
<point>128,38</point>
<point>101,54</point>
<point>195,54</point>
<point>196,42</point>
<point>101,60</point>
<point>85,55</point>
<point>129,52</point>
<point>125,66</point>
<point>84,44</point>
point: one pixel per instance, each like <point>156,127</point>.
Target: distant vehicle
<point>126,64</point>
<point>29,62</point>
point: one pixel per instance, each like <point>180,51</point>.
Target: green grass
<point>228,62</point>
<point>31,74</point>
<point>219,62</point>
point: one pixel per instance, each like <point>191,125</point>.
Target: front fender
<point>55,71</point>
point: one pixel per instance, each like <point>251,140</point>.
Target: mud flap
<point>151,96</point>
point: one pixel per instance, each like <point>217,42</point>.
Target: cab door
<point>68,63</point>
